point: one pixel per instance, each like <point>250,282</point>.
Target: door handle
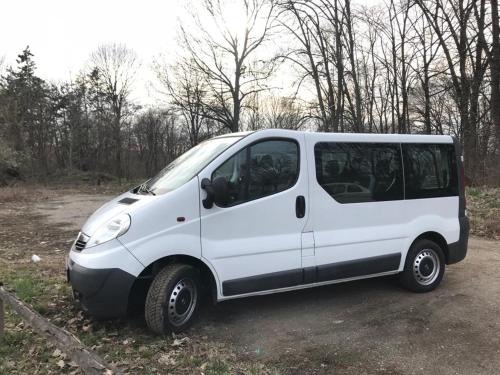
<point>300,206</point>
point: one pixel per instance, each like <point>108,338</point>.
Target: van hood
<point>125,203</point>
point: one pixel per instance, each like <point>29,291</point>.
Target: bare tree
<point>452,21</point>
<point>422,66</point>
<point>495,77</point>
<point>113,68</point>
<point>285,113</point>
<point>227,54</point>
<point>354,100</point>
<point>157,141</point>
<point>188,91</point>
<point>316,26</point>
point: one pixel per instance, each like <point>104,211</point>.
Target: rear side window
<point>259,170</point>
<point>430,170</point>
<point>359,172</point>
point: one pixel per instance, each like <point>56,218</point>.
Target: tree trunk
<point>495,81</point>
<point>357,120</point>
<point>427,98</point>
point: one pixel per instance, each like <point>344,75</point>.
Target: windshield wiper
<point>144,188</point>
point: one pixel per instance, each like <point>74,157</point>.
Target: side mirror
<point>217,192</point>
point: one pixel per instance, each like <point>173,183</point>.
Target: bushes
<point>11,164</point>
<point>483,205</point>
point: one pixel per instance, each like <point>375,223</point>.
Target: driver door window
<point>259,170</point>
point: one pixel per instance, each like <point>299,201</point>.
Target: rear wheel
<point>424,267</point>
<point>173,299</point>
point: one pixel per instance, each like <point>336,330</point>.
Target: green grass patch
<point>20,347</point>
<point>190,361</point>
<point>13,341</point>
<point>27,289</point>
<point>91,339</point>
<point>217,367</point>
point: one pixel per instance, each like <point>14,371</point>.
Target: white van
<point>246,214</point>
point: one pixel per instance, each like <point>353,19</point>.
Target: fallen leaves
<point>167,360</point>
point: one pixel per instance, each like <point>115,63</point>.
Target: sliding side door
<point>357,195</point>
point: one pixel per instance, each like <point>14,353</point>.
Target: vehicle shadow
<point>326,299</point>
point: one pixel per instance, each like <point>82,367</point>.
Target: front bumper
<point>103,293</point>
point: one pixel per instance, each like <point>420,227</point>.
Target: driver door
<point>254,241</point>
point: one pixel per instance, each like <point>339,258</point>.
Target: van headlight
<point>111,230</point>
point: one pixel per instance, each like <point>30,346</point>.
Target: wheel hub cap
<point>426,267</point>
<point>182,302</point>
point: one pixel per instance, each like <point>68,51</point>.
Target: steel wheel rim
<point>426,267</point>
<point>182,302</point>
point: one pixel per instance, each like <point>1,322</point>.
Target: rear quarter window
<point>430,170</point>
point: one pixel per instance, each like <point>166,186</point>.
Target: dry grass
<point>24,193</point>
<point>483,206</point>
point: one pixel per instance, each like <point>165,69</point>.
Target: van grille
<point>81,241</point>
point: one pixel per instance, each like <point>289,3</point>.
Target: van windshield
<point>188,165</point>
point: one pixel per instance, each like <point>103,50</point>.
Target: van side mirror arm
<point>206,185</point>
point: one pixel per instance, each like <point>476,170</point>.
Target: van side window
<point>262,169</point>
<point>359,172</point>
<point>430,170</point>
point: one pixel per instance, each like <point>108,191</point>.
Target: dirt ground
<point>364,327</point>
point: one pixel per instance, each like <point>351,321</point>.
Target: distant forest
<point>418,66</point>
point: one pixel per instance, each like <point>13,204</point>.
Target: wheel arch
<point>139,290</point>
<point>438,239</point>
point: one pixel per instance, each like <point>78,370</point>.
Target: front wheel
<point>424,267</point>
<point>173,299</point>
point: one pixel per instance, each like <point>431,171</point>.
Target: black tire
<point>167,296</point>
<point>424,267</point>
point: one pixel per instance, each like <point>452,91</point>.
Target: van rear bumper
<point>103,293</point>
<point>458,250</point>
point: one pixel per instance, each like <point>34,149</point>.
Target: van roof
<point>237,134</point>
<point>353,137</point>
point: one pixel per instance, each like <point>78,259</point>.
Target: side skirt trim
<point>275,280</point>
<point>311,275</point>
<point>306,286</point>
<point>359,267</point>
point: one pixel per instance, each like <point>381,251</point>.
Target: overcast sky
<point>62,33</point>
